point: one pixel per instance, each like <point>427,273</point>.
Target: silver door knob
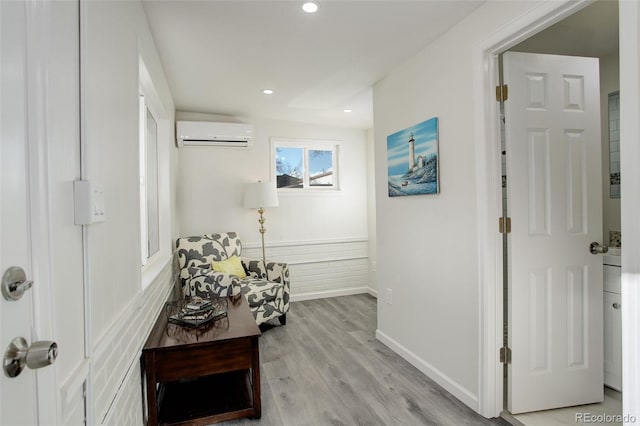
<point>14,283</point>
<point>596,248</point>
<point>38,355</point>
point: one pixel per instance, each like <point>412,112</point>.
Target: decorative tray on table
<point>196,311</point>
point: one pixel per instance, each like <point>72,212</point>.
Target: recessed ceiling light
<point>267,91</point>
<point>310,6</point>
<point>348,110</point>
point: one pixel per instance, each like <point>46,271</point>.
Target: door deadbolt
<point>14,283</point>
<point>38,355</point>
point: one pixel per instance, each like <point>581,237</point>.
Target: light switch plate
<point>88,202</point>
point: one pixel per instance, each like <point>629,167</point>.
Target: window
<point>149,199</point>
<point>305,164</point>
<point>155,134</point>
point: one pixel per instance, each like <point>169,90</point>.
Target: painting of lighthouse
<point>412,160</point>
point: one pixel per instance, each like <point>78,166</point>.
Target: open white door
<point>20,401</point>
<point>18,394</point>
<point>554,196</point>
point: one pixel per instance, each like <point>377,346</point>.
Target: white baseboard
<point>373,292</point>
<point>328,293</point>
<point>433,373</point>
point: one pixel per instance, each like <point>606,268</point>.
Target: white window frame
<point>152,265</point>
<point>308,145</point>
<point>144,178</point>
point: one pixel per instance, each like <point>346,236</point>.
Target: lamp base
<point>262,230</point>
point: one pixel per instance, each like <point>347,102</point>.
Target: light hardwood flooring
<point>607,410</point>
<point>325,367</point>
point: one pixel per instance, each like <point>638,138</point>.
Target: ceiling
<point>593,31</point>
<point>218,56</point>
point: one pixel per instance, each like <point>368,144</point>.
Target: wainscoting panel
<point>127,408</point>
<point>320,268</point>
<point>116,383</point>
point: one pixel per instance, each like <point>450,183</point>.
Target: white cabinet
<point>612,328</point>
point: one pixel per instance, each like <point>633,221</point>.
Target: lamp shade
<point>260,194</point>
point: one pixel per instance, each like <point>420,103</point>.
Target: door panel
<point>17,395</point>
<point>554,193</point>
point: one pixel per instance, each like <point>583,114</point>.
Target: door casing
<point>489,189</point>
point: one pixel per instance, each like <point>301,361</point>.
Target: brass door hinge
<point>502,93</point>
<point>504,225</point>
<point>505,355</point>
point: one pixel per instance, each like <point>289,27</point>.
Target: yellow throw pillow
<point>231,266</point>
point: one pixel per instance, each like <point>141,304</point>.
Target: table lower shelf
<point>207,399</point>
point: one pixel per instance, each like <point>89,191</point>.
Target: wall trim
<point>253,245</point>
<point>116,398</point>
<point>325,260</point>
<point>372,291</point>
<point>430,371</point>
<point>299,297</point>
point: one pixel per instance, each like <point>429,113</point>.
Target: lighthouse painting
<point>412,160</point>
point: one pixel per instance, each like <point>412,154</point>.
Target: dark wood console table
<point>203,375</point>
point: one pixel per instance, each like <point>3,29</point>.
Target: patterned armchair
<point>266,287</point>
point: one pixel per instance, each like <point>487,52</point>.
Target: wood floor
<point>325,367</point>
<point>611,406</point>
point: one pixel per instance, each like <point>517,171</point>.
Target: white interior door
<point>553,148</point>
<point>18,394</point>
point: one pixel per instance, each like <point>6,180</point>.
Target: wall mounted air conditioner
<point>208,133</point>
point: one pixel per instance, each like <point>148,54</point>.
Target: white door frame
<point>489,194</point>
<point>630,206</point>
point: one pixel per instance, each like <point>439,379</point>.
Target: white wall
<point>319,233</point>
<point>115,36</point>
<point>211,183</point>
<point>429,243</point>
<point>609,82</point>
